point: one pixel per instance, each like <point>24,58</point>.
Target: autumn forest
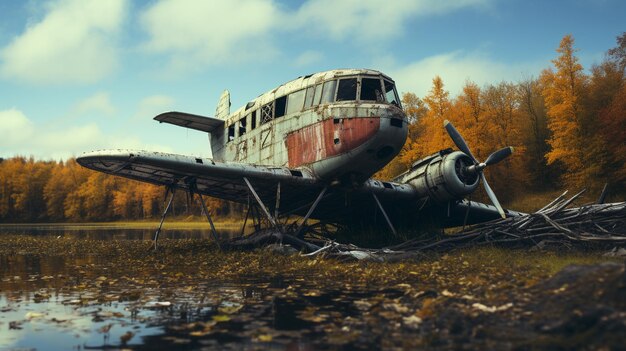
<point>568,128</point>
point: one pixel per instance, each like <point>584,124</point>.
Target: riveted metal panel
<point>330,137</point>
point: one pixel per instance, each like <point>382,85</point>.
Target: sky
<point>83,75</point>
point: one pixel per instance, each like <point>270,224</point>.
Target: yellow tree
<point>55,191</point>
<point>505,127</point>
<point>533,113</point>
<point>434,137</point>
<point>10,170</point>
<point>468,116</point>
<point>415,109</point>
<point>613,120</point>
<point>563,90</point>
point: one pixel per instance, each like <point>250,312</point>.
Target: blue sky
<point>81,75</point>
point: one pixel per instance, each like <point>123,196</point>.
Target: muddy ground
<point>94,294</point>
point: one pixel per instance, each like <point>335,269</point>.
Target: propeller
<point>478,167</point>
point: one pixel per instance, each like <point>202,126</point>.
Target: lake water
<point>113,231</point>
<point>60,302</point>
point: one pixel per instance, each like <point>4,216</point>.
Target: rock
<point>616,252</point>
<point>279,249</point>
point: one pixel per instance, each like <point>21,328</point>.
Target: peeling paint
<point>318,141</point>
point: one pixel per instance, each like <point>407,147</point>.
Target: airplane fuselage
<point>341,125</point>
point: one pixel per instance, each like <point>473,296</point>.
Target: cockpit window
<point>390,93</point>
<point>371,90</point>
<point>328,92</point>
<point>346,90</point>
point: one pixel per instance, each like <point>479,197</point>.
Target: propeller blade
<point>499,155</point>
<point>492,195</point>
<point>458,139</point>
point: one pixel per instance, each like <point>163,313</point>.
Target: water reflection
<point>51,302</point>
<point>136,231</point>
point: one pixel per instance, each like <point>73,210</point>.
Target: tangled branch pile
<point>594,226</point>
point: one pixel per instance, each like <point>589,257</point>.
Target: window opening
<point>390,93</point>
<point>253,120</point>
<point>308,100</point>
<point>371,90</point>
<point>295,101</point>
<point>346,90</point>
<point>295,173</point>
<point>318,95</point>
<point>242,126</point>
<point>279,108</point>
<point>328,92</point>
<point>231,132</point>
<point>266,112</point>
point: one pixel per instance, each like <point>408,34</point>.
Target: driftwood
<point>593,226</point>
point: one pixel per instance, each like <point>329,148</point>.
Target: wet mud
<point>63,293</point>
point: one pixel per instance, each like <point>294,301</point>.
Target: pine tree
<point>563,93</point>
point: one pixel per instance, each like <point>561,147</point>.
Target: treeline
<point>64,191</point>
<point>568,127</point>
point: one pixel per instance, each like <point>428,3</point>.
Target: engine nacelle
<point>442,176</point>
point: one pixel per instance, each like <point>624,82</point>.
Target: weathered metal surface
<point>327,138</point>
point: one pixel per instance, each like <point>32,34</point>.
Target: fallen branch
<point>601,226</point>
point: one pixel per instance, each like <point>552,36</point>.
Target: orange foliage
<point>574,122</point>
<point>563,94</point>
<point>38,190</point>
<point>613,118</point>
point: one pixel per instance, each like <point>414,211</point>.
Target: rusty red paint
<point>318,141</point>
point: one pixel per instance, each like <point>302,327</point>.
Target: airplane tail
<point>223,106</point>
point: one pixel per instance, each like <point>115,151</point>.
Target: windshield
<point>371,90</point>
<point>391,95</point>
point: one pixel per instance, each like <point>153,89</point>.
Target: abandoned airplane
<point>309,148</point>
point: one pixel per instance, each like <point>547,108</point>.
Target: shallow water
<point>52,302</point>
<point>113,231</point>
<point>100,290</point>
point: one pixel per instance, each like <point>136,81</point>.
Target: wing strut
<point>208,216</point>
<point>393,230</point>
<point>308,214</point>
<point>193,189</point>
<point>167,208</point>
<point>258,200</point>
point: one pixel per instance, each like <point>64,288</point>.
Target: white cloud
<point>307,58</point>
<point>197,33</point>
<point>368,20</point>
<point>75,42</point>
<point>68,140</point>
<point>194,34</point>
<point>20,136</point>
<point>455,69</point>
<point>99,103</point>
<point>15,127</point>
<point>153,105</point>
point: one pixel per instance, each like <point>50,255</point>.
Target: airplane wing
<point>225,180</point>
<point>187,120</point>
<point>298,188</point>
<point>404,207</point>
<point>222,180</point>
